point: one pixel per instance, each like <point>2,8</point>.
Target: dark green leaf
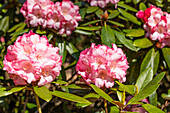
<point>70,97</point>
<point>152,109</point>
<point>43,93</point>
<point>107,35</point>
<point>91,9</point>
<point>113,14</point>
<point>62,52</point>
<point>151,60</point>
<point>121,4</point>
<point>142,43</point>
<point>72,86</point>
<point>153,99</point>
<point>136,33</point>
<point>166,53</point>
<point>4,24</point>
<point>116,23</point>
<point>72,50</point>
<point>123,40</point>
<point>144,78</point>
<point>89,28</point>
<point>142,6</point>
<point>91,22</point>
<point>82,12</point>
<point>99,12</point>
<point>129,16</point>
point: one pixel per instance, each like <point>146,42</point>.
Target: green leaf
<point>107,35</point>
<point>92,95</point>
<point>136,1</point>
<point>60,82</point>
<point>89,28</point>
<point>121,4</point>
<point>84,32</point>
<point>152,109</point>
<point>114,109</point>
<point>113,14</point>
<point>129,16</point>
<point>31,105</point>
<point>148,90</point>
<point>43,93</point>
<point>102,93</point>
<point>70,97</point>
<point>72,86</point>
<point>62,51</point>
<point>166,54</point>
<point>166,96</point>
<point>144,78</point>
<point>153,99</point>
<point>19,32</point>
<point>123,40</point>
<point>136,33</point>
<point>116,23</point>
<point>91,22</point>
<point>91,9</point>
<point>128,88</point>
<point>21,27</point>
<point>151,60</point>
<point>4,24</point>
<point>16,89</point>
<point>142,6</point>
<point>15,27</point>
<point>99,12</point>
<point>82,12</point>
<point>119,95</point>
<point>142,43</point>
<point>72,50</point>
<point>41,32</point>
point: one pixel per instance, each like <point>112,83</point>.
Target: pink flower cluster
<point>62,16</point>
<point>102,3</point>
<point>102,65</point>
<point>157,24</point>
<point>32,59</point>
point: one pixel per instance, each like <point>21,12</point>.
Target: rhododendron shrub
<point>102,65</point>
<point>62,16</point>
<point>156,23</point>
<point>32,59</point>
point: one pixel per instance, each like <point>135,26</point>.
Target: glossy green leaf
<point>166,54</point>
<point>21,27</point>
<point>92,95</point>
<point>60,82</point>
<point>15,27</point>
<point>70,97</point>
<point>121,4</point>
<point>152,109</point>
<point>82,12</point>
<point>153,98</point>
<point>41,32</point>
<point>116,23</point>
<point>142,6</point>
<point>72,86</point>
<point>84,32</point>
<point>148,90</point>
<point>136,33</point>
<point>119,95</point>
<point>99,12</point>
<point>151,60</point>
<point>62,50</point>
<point>129,16</point>
<point>72,50</point>
<point>43,93</point>
<point>89,28</point>
<point>123,40</point>
<point>136,1</point>
<point>142,43</point>
<point>91,9</point>
<point>107,35</point>
<point>50,36</point>
<point>16,89</point>
<point>19,32</point>
<point>31,105</point>
<point>91,22</point>
<point>102,93</point>
<point>113,14</point>
<point>144,78</point>
<point>4,24</point>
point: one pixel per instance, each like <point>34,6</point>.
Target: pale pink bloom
<point>102,3</point>
<point>102,65</point>
<point>2,39</point>
<point>32,59</point>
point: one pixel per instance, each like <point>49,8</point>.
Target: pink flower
<point>32,59</point>
<point>102,65</point>
<point>102,3</point>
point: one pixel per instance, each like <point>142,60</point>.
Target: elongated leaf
<point>123,40</point>
<point>16,89</point>
<point>129,16</point>
<point>72,86</point>
<point>99,12</point>
<point>142,43</point>
<point>116,23</point>
<point>136,1</point>
<point>82,12</point>
<point>21,27</point>
<point>89,28</point>
<point>60,82</point>
<point>142,6</point>
<point>19,32</point>
<point>92,95</point>
<point>4,24</point>
<point>72,50</point>
<point>148,90</point>
<point>114,109</point>
<point>43,93</point>
<point>121,4</point>
<point>102,93</point>
<point>91,9</point>
<point>136,33</point>
<point>15,27</point>
<point>84,32</point>
<point>107,35</point>
<point>144,78</point>
<point>151,60</point>
<point>166,53</point>
<point>153,99</point>
<point>62,52</point>
<point>91,22</point>
<point>152,109</point>
<point>128,88</point>
<point>113,14</point>
<point>70,97</point>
